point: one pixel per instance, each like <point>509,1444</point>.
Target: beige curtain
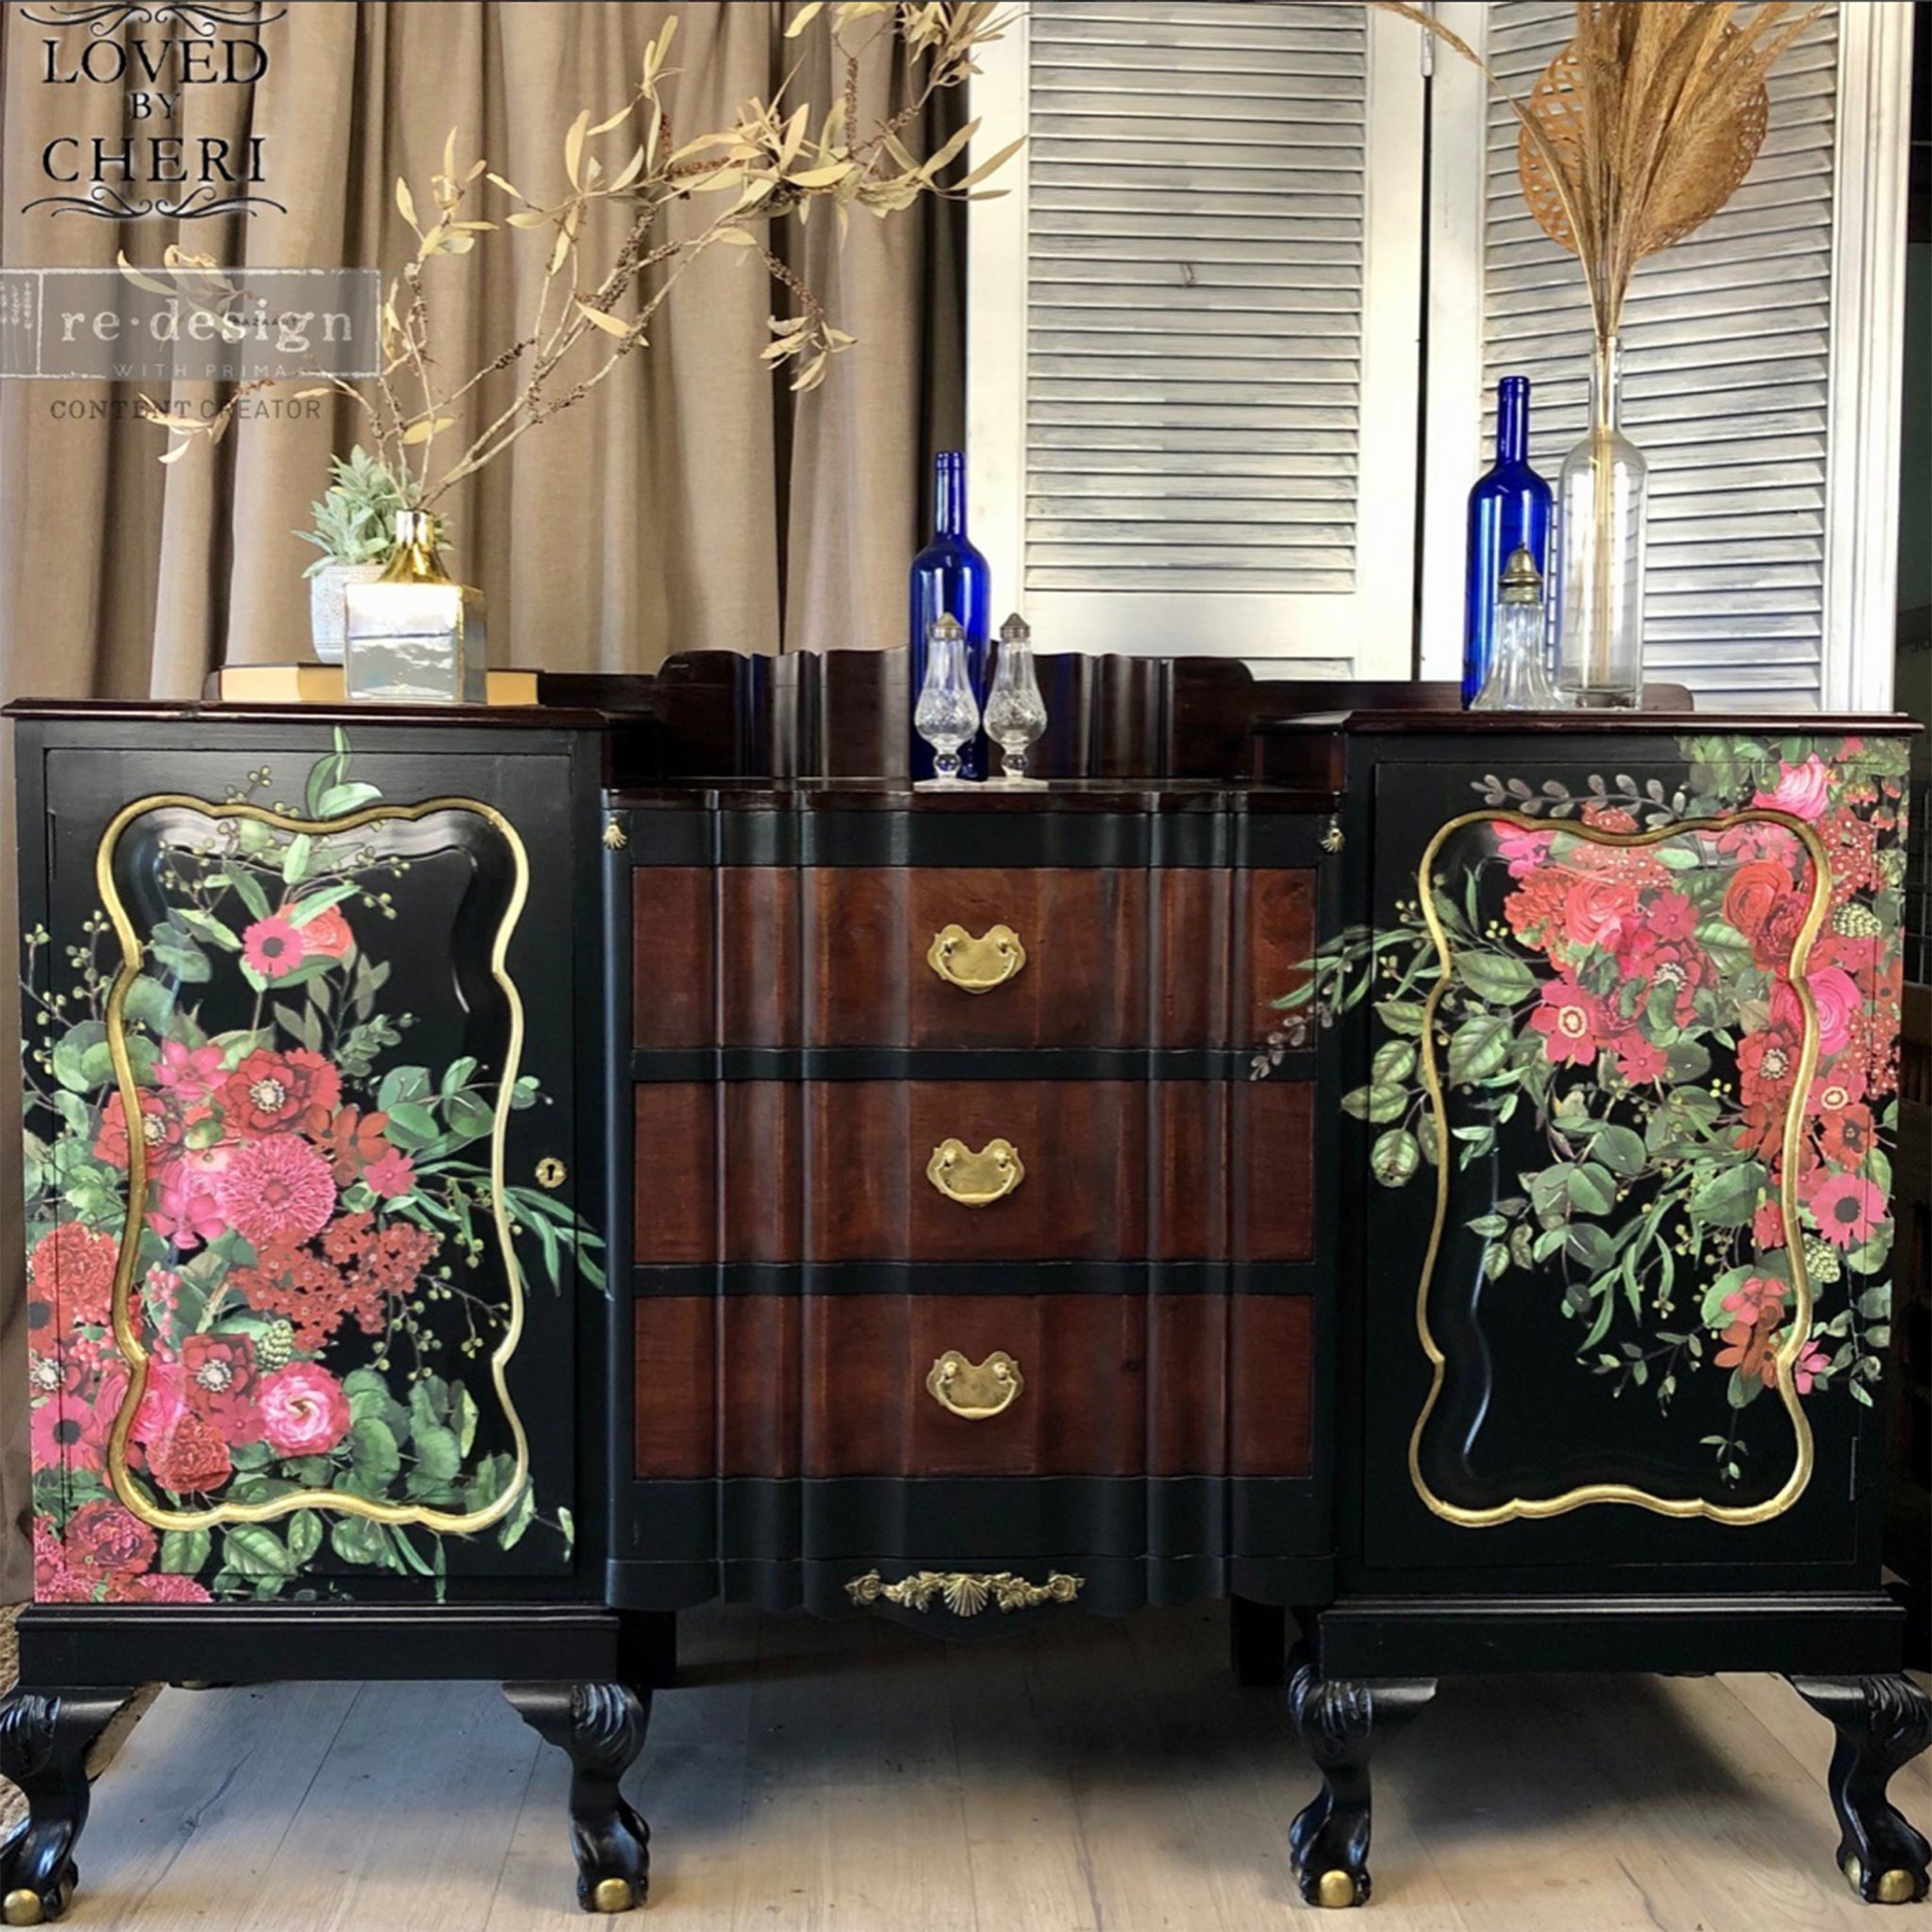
<point>691,503</point>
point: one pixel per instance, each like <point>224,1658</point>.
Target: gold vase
<point>415,636</point>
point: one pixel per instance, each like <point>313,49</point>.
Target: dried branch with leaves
<point>1641,128</point>
<point>595,304</point>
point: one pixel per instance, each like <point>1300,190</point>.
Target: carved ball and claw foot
<point>600,1728</point>
<point>1340,1721</point>
<point>44,1738</point>
<point>1882,1723</point>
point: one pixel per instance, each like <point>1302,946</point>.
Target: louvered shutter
<point>1194,318</point>
<point>1733,379</point>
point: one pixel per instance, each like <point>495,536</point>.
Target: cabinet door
<point>1628,1082</point>
<point>307,1003</point>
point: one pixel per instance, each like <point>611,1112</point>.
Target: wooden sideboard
<point>1426,1174</point>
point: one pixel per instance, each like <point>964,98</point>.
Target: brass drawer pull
<point>965,1592</point>
<point>976,1394</point>
<point>975,1180</point>
<point>976,965</point>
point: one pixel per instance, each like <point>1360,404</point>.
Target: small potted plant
<point>356,532</point>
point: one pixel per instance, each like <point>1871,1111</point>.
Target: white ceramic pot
<point>327,611</point>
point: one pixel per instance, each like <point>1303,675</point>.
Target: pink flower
<point>1836,1088</point>
<point>1804,791</point>
<point>1570,1020</point>
<point>1767,1224</point>
<point>1835,995</point>
<point>278,1189</point>
<point>1847,1208</point>
<point>1524,849</point>
<point>163,1400</point>
<point>1760,1298</point>
<point>183,1207</point>
<point>272,947</point>
<point>303,1412</point>
<point>191,1072</point>
<point>1669,916</point>
<point>54,1581</point>
<point>1638,1061</point>
<point>392,1175</point>
<point>1810,1365</point>
<point>218,1380</point>
<point>64,1435</point>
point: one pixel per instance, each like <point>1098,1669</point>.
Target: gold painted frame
<point>1526,1507</point>
<point>126,1334</point>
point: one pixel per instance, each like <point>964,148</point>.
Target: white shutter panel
<point>1193,366</point>
<point>1760,367</point>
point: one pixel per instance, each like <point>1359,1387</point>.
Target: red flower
<point>1810,1365</point>
<point>1848,1136</point>
<point>1638,1061</point>
<point>189,1456</point>
<point>1767,1063</point>
<point>354,1140</point>
<point>218,1379</point>
<point>190,1073</point>
<point>159,1130</point>
<point>1758,888</point>
<point>1570,1022</point>
<point>274,1092</point>
<point>1847,1208</point>
<point>303,1412</point>
<point>1597,910</point>
<point>159,1587</point>
<point>54,1581</point>
<point>272,947</point>
<point>277,1190</point>
<point>1608,817</point>
<point>327,933</point>
<point>392,1176</point>
<point>1836,1088</point>
<point>1669,916</point>
<point>1681,964</point>
<point>1767,1224</point>
<point>108,1540</point>
<point>73,1271</point>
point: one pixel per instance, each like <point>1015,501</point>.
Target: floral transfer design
<point>315,1283</point>
<point>1630,1007</point>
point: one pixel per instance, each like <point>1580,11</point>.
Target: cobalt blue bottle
<point>1508,509</point>
<point>950,578</point>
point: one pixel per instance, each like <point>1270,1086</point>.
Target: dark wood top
<point>895,795</point>
<point>191,711</point>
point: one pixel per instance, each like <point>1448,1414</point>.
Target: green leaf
<point>185,1552</point>
<point>310,903</point>
<point>520,1518</point>
<point>1489,1226</point>
<point>1619,1149</point>
<point>1394,1061</point>
<point>71,1050</point>
<point>1728,1197</point>
<point>1395,1157</point>
<point>412,1127</point>
<point>1591,1189</point>
<point>400,1084</point>
<point>1499,978</point>
<point>1729,950</point>
<point>465,1413</point>
<point>469,1118</point>
<point>210,927</point>
<point>249,888</point>
<point>1403,1017</point>
<point>305,1537</point>
<point>374,1455</point>
<point>1588,1245</point>
<point>253,1550</point>
<point>355,1540</point>
<point>1480,1047</point>
<point>151,1004</point>
<point>438,1454</point>
<point>337,800</point>
<point>295,859</point>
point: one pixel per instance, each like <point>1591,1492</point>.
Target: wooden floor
<point>1078,1775</point>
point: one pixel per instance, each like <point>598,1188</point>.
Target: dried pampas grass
<point>1642,127</point>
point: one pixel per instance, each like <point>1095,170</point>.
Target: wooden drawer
<point>1107,1385</point>
<point>838,1170</point>
<point>843,957</point>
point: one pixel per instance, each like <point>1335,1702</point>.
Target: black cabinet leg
<point>44,1738</point>
<point>600,1728</point>
<point>1340,1721</point>
<point>1257,1641</point>
<point>1882,1723</point>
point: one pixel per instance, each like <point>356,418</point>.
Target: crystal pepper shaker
<point>1015,714</point>
<point>948,713</point>
<point>1518,678</point>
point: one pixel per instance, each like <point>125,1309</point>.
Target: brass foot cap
<point>22,1907</point>
<point>614,1896</point>
<point>1895,1889</point>
<point>1335,1889</point>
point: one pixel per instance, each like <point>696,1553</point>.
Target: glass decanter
<point>948,713</point>
<point>1519,680</point>
<point>1015,713</point>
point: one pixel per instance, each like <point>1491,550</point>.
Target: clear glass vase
<point>1602,499</point>
<point>1015,712</point>
<point>948,713</point>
